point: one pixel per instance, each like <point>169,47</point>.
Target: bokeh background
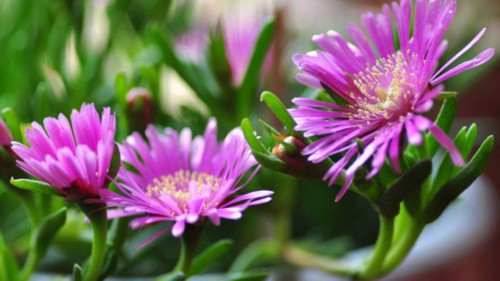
<point>57,54</point>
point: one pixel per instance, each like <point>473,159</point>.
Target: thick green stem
<point>403,246</point>
<point>99,221</point>
<point>384,240</point>
<point>189,242</point>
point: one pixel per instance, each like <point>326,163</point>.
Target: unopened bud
<point>139,109</point>
<point>5,136</point>
<point>289,151</point>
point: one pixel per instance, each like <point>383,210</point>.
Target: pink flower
<point>386,89</point>
<point>183,180</point>
<point>73,158</point>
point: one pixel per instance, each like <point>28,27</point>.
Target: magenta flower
<point>240,37</point>
<point>387,89</point>
<point>72,158</point>
<point>184,180</point>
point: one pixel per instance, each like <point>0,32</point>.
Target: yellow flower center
<point>182,185</point>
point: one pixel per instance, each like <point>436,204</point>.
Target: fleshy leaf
<point>77,273</point>
<point>48,230</point>
<point>247,276</point>
<point>209,256</point>
<point>250,137</point>
<point>8,267</point>
<point>271,162</point>
<point>114,166</point>
<point>338,99</point>
<point>248,88</point>
<point>280,111</point>
<point>444,121</point>
<point>173,276</point>
<point>34,185</point>
<point>452,189</point>
<point>408,183</point>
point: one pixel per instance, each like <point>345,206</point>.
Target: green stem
<point>99,221</point>
<point>189,242</point>
<point>382,247</point>
<point>403,246</point>
<point>33,258</point>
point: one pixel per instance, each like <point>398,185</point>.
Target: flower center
<point>184,185</point>
<point>385,89</point>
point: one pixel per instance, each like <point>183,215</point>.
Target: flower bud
<point>139,109</point>
<point>5,136</point>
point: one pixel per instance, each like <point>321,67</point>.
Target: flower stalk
<point>189,243</point>
<point>97,216</point>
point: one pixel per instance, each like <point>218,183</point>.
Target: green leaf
<point>12,121</point>
<point>210,255</point>
<point>121,89</point>
<point>444,121</point>
<point>271,162</point>
<point>248,133</point>
<point>218,59</point>
<point>173,276</point>
<point>114,166</point>
<point>447,168</point>
<point>185,71</point>
<point>446,95</point>
<point>256,252</point>
<point>248,88</point>
<point>452,189</point>
<point>77,273</point>
<point>247,276</point>
<point>48,230</point>
<point>9,269</point>
<point>338,99</point>
<point>34,185</point>
<point>408,183</point>
<point>280,111</point>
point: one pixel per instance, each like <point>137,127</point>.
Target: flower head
<point>385,88</point>
<point>184,180</point>
<point>73,158</point>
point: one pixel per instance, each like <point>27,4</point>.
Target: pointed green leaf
<point>173,276</point>
<point>250,137</point>
<point>218,58</point>
<point>271,162</point>
<point>451,190</point>
<point>121,89</point>
<point>114,166</point>
<point>185,71</point>
<point>444,121</point>
<point>12,121</point>
<point>280,111</point>
<point>446,168</point>
<point>248,88</point>
<point>48,230</point>
<point>338,99</point>
<point>446,95</point>
<point>9,269</point>
<point>405,185</point>
<point>256,252</point>
<point>77,273</point>
<point>34,185</point>
<point>248,276</point>
<point>209,256</point>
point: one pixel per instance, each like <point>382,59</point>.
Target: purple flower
<point>73,158</point>
<point>386,89</point>
<point>240,35</point>
<point>184,180</point>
